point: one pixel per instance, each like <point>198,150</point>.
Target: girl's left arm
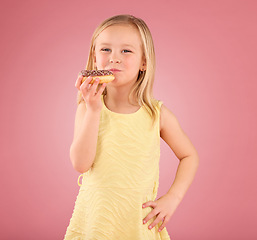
<point>172,133</point>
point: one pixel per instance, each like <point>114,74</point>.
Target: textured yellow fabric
<point>124,175</point>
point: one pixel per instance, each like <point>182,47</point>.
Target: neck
<point>119,98</point>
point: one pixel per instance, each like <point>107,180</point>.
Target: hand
<point>90,93</point>
<point>164,207</point>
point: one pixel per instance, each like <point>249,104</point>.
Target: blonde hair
<point>143,87</point>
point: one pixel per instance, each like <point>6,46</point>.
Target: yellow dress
<point>124,175</point>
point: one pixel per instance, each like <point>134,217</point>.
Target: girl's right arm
<point>83,147</point>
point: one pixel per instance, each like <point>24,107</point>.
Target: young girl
<point>116,143</point>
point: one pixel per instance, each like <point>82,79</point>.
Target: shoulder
<point>156,103</point>
<point>167,118</point>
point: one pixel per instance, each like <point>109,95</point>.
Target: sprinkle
<point>87,73</point>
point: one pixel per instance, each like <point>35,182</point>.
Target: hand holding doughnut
<point>90,92</point>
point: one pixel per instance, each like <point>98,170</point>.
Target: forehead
<point>120,34</point>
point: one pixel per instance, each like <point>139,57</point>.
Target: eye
<point>126,51</point>
<point>105,49</point>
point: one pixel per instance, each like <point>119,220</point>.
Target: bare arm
<point>174,136</point>
<point>83,147</point>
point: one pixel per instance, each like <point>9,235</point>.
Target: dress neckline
<point>120,114</point>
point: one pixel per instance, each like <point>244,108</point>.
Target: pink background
<point>206,74</point>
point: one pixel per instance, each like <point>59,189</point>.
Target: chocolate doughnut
<point>104,76</point>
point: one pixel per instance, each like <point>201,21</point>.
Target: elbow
<point>78,164</point>
<point>197,159</point>
<point>194,159</point>
<point>79,168</point>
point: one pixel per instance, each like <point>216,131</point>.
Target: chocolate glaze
<point>87,73</point>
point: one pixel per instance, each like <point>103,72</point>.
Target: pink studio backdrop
<point>206,75</point>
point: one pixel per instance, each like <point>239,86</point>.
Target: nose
<point>114,58</point>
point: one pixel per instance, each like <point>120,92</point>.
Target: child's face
<point>119,48</point>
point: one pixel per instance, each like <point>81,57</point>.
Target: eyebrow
<point>124,45</point>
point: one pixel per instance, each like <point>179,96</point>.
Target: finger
<point>101,89</point>
<point>86,81</point>
<point>150,215</point>
<point>83,87</point>
<point>164,223</point>
<point>149,204</point>
<point>78,81</point>
<point>85,90</point>
<point>85,84</point>
<point>94,87</point>
<point>156,221</point>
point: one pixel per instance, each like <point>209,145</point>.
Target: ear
<point>143,64</point>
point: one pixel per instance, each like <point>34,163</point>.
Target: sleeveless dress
<point>124,175</point>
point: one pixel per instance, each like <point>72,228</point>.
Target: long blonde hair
<point>143,87</point>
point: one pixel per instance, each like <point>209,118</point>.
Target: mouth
<point>114,70</point>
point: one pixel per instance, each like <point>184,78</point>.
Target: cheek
<point>133,63</point>
<point>101,61</point>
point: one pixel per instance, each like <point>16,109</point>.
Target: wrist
<point>94,110</point>
<point>175,195</point>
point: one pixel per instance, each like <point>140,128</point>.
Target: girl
<point>116,143</point>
